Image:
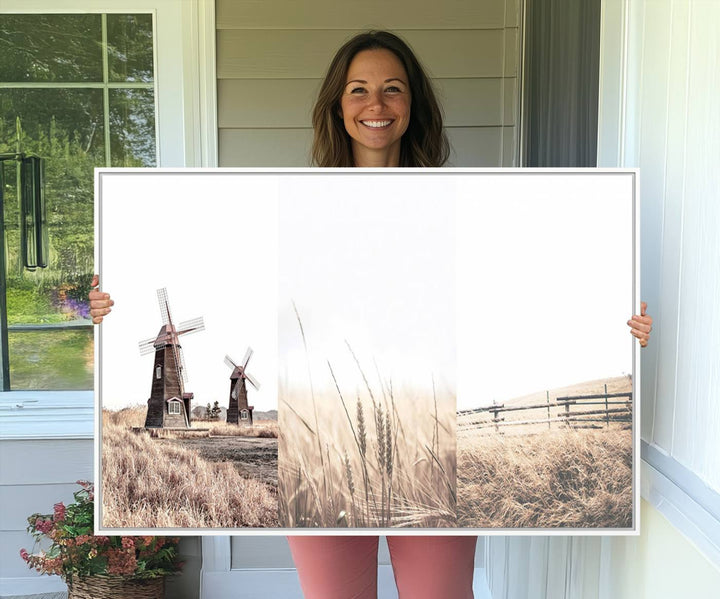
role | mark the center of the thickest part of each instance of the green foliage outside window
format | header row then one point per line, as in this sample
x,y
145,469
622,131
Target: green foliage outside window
x,y
78,91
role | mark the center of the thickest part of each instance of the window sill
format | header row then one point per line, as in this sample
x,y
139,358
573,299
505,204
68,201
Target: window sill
x,y
691,506
46,415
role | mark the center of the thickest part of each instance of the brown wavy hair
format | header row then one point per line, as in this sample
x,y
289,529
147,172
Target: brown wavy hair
x,y
423,144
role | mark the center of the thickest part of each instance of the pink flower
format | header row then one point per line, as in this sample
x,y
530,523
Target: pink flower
x,y
44,526
121,561
128,543
25,555
59,509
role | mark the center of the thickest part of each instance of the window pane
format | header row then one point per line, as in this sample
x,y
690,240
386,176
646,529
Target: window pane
x,y
130,47
65,127
53,121
51,359
50,48
132,127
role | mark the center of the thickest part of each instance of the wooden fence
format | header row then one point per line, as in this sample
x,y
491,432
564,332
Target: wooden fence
x,y
571,412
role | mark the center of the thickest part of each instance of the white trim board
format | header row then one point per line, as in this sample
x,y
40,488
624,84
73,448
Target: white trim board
x,y
46,415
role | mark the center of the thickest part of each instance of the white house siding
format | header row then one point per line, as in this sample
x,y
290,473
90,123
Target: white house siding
x,y
660,84
34,475
673,134
271,58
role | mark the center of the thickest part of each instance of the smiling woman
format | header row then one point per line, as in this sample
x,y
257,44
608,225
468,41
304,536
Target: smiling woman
x,y
377,108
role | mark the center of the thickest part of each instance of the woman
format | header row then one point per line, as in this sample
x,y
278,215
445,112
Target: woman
x,y
377,108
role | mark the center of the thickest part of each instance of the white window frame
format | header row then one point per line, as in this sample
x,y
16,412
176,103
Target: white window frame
x,y
174,407
184,32
186,126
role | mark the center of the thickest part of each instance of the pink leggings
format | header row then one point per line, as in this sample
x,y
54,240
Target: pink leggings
x,y
346,567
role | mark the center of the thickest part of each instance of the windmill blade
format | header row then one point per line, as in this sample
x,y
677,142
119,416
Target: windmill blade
x,y
246,359
253,381
183,368
191,326
229,362
146,346
164,306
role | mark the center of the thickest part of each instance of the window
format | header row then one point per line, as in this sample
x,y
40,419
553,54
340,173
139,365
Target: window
x,y
174,407
79,91
243,414
158,372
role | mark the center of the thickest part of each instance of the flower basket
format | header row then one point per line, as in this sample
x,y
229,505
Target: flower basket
x,y
116,587
98,567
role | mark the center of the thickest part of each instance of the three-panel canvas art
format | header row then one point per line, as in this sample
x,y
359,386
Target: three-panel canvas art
x,y
402,351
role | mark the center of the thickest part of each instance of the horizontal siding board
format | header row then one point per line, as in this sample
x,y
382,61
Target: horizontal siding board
x,y
278,103
253,54
471,102
350,14
264,147
475,146
19,501
11,564
266,103
512,13
470,146
37,461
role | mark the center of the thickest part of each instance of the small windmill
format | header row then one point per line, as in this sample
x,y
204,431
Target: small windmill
x,y
169,404
238,408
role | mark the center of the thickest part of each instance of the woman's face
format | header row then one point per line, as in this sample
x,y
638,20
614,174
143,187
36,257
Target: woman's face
x,y
375,107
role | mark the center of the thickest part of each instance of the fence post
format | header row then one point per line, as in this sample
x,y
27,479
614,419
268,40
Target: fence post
x,y
607,414
567,414
547,394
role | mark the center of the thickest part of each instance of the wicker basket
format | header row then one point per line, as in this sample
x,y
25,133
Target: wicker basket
x,y
116,587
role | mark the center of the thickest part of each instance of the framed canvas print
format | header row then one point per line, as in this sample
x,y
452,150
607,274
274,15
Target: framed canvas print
x,y
406,351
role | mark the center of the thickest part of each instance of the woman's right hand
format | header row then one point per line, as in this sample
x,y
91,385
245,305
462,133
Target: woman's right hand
x,y
100,302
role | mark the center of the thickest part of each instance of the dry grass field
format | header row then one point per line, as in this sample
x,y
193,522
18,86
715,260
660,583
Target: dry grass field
x,y
546,476
377,458
166,483
556,479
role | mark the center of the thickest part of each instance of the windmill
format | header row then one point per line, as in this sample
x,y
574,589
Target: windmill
x,y
238,408
169,404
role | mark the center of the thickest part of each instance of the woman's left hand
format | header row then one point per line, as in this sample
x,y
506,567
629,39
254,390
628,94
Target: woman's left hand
x,y
640,326
100,303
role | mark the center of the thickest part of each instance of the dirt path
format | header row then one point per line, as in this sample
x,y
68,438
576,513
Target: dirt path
x,y
253,457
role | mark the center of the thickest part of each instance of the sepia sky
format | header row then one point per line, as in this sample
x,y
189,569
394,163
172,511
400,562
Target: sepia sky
x,y
368,259
211,240
544,283
493,286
